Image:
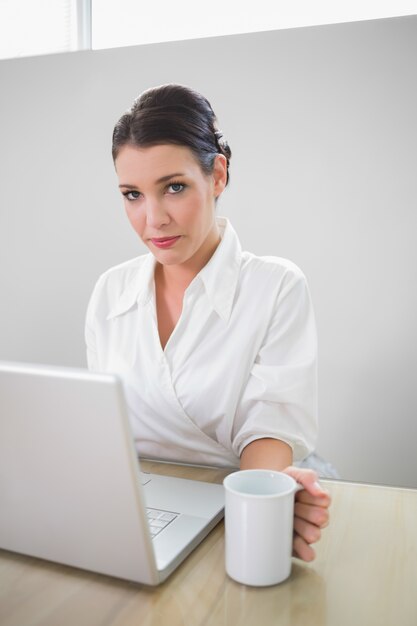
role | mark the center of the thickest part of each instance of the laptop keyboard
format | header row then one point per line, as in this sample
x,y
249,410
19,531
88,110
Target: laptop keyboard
x,y
158,520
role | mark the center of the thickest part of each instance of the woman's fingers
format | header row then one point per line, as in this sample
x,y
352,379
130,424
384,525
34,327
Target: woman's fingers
x,y
313,492
310,512
302,550
309,532
305,477
323,499
317,515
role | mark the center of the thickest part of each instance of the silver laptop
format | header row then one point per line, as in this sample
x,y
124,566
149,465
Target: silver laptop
x,y
71,490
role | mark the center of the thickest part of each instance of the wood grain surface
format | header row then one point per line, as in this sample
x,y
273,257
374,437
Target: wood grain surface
x,y
365,574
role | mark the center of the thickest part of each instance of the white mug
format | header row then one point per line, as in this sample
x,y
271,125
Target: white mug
x,y
259,512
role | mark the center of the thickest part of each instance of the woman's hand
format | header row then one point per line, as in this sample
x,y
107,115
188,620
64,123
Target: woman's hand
x,y
311,512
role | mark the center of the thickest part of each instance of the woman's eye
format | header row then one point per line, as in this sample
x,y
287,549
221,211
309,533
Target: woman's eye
x,y
176,187
131,195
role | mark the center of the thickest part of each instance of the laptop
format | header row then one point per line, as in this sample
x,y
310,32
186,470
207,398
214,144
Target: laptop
x,y
71,489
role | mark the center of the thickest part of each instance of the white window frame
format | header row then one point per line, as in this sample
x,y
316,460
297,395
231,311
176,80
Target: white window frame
x,y
84,24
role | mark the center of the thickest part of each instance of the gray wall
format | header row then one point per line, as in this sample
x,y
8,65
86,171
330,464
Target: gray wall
x,y
322,124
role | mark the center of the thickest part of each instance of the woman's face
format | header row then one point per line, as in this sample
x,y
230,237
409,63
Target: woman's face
x,y
170,202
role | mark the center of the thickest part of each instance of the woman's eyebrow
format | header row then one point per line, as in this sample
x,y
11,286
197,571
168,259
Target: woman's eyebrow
x,y
163,179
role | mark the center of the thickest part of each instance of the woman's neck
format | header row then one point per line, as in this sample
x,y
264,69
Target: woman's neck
x,y
178,277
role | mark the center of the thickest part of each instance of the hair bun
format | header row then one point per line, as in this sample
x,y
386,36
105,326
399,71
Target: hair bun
x,y
222,144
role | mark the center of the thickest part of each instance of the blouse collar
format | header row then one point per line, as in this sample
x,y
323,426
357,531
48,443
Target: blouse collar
x,y
219,276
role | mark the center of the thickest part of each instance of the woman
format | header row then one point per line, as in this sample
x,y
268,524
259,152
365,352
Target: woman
x,y
216,347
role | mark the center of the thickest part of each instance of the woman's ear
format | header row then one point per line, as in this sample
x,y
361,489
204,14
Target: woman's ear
x,y
219,174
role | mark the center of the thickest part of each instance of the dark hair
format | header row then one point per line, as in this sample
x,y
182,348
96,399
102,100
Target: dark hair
x,y
173,114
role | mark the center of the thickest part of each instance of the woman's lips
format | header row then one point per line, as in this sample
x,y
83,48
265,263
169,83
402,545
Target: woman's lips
x,y
165,242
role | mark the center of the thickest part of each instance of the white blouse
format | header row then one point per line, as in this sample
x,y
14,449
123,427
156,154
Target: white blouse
x,y
240,364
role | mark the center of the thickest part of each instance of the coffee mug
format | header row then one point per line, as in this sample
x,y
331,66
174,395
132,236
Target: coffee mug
x,y
259,513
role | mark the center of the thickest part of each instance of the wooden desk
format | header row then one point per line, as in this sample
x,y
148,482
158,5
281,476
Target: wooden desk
x,y
365,574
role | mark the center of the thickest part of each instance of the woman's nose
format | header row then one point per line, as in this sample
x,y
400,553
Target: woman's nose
x,y
155,215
